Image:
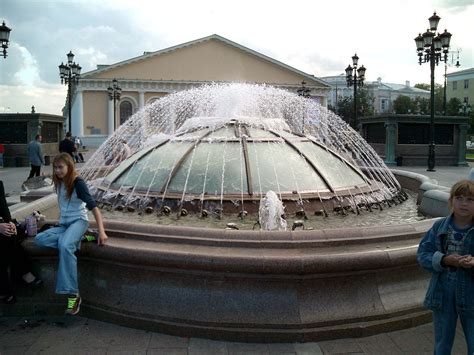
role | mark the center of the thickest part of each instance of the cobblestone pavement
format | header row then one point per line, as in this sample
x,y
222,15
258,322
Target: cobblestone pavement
x,y
79,335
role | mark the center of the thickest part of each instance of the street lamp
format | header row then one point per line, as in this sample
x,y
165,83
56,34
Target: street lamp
x,y
114,94
4,35
451,63
432,48
305,92
69,74
355,77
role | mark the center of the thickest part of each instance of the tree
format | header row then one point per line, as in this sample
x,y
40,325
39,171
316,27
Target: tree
x,y
423,105
423,86
345,106
439,97
403,105
453,106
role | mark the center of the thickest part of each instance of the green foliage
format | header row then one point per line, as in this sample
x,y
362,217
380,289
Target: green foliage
x,y
403,105
453,106
422,86
423,105
365,101
438,98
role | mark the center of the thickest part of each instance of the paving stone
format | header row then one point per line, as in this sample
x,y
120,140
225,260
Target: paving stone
x,y
412,340
247,348
199,346
164,341
168,351
112,337
307,349
340,346
378,344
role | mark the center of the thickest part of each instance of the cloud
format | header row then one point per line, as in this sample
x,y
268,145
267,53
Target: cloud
x,y
315,37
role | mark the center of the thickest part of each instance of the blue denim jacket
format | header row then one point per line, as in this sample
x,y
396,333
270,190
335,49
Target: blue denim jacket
x,y
430,252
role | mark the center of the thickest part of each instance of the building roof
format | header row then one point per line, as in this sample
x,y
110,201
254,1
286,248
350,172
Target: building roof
x,y
469,71
312,80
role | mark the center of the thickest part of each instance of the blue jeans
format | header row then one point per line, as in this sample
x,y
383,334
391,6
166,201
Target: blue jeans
x,y
67,239
445,321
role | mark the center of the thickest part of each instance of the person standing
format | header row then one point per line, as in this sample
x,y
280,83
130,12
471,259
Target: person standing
x,y
67,145
447,252
35,156
74,200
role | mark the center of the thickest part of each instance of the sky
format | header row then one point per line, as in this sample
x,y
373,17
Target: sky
x,y
317,37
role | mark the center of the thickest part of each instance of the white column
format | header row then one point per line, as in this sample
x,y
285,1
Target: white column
x,y
110,117
141,99
77,113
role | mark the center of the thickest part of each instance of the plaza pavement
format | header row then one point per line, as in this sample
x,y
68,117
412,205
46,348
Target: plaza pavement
x,y
78,335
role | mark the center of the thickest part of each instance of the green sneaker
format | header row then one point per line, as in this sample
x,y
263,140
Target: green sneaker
x,y
73,305
90,236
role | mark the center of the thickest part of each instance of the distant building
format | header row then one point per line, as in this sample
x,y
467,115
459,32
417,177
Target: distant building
x,y
152,75
460,84
384,94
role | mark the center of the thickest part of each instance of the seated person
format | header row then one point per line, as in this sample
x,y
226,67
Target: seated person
x,y
12,256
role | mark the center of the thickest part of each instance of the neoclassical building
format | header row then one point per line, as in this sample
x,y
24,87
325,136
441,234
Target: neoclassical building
x,y
152,75
384,94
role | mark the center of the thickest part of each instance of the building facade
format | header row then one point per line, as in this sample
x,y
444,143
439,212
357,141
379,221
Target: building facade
x,y
460,85
146,78
383,94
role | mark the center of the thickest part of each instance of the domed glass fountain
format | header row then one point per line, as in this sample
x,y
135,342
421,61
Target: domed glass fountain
x,y
220,149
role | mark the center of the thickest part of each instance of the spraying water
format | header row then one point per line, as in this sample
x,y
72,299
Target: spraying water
x,y
219,148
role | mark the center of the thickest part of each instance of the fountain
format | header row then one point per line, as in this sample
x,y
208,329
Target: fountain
x,y
252,153
220,149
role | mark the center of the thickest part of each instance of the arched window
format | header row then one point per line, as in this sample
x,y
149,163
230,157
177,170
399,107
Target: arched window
x,y
126,111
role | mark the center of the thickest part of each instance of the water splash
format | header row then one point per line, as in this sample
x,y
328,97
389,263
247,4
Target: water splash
x,y
271,212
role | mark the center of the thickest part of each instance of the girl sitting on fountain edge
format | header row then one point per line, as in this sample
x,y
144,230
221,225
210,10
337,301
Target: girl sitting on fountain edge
x,y
74,200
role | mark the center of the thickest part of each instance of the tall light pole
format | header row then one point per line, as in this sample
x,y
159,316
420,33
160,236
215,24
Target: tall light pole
x,y
69,74
355,77
4,36
451,63
432,48
114,94
305,92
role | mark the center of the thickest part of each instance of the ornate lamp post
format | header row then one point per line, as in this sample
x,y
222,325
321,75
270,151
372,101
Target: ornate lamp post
x,y
114,94
451,63
303,91
432,48
355,77
69,74
4,36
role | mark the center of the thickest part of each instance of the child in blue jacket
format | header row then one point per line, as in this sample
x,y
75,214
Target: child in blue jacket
x,y
74,200
447,252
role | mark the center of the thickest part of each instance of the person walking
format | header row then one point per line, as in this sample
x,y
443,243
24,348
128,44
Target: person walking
x,y
74,200
13,257
35,156
67,145
447,252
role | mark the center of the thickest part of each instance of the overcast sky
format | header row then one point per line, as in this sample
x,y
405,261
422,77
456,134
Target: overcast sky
x,y
317,37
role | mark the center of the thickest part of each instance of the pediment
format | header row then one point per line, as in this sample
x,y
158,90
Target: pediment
x,y
212,58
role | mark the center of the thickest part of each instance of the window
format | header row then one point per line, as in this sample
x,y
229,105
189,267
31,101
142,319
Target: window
x,y
455,85
382,106
466,84
125,111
